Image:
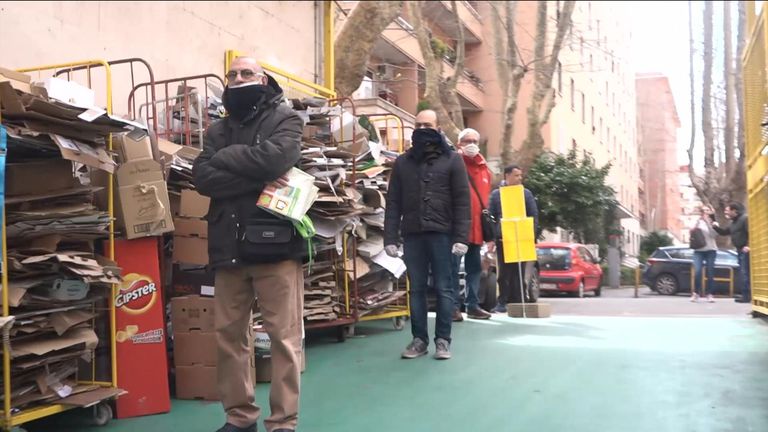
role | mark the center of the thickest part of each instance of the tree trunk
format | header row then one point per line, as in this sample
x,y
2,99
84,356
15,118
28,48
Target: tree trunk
x,y
436,86
730,90
696,181
514,73
448,92
706,101
738,179
355,41
545,69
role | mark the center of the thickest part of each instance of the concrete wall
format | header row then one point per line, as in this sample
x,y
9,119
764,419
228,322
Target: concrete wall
x,y
176,38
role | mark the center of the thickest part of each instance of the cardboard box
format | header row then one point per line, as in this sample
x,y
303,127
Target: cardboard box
x,y
190,250
192,282
18,80
263,355
190,227
192,313
132,146
194,348
193,205
27,179
144,208
196,382
532,310
199,382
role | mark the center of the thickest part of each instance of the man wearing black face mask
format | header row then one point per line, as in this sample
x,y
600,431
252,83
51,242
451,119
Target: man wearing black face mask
x,y
253,252
428,205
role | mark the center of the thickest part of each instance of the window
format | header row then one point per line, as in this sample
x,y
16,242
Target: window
x,y
573,144
581,48
598,32
593,119
589,14
573,96
591,64
613,66
601,129
583,109
559,78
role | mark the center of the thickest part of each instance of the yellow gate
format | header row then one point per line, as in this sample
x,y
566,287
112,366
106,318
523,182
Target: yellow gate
x,y
756,131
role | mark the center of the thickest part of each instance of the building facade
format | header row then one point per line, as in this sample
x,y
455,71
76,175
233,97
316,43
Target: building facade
x,y
657,145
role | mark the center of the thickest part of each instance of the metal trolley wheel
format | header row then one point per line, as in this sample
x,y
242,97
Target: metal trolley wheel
x,y
398,323
102,414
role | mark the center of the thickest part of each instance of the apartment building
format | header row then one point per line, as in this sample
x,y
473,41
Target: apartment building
x,y
594,86
596,104
657,145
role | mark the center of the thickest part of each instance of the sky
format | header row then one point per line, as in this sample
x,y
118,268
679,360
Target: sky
x,y
660,44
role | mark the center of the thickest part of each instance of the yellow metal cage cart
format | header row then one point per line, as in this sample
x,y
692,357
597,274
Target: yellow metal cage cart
x,y
756,131
13,416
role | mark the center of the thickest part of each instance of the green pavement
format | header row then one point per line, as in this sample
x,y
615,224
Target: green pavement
x,y
566,373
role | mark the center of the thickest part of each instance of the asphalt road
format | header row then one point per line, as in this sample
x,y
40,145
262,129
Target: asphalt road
x,y
621,302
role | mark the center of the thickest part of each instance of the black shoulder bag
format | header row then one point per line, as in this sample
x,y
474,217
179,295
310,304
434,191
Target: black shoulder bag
x,y
487,221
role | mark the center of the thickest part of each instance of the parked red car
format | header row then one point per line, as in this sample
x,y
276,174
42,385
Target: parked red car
x,y
568,267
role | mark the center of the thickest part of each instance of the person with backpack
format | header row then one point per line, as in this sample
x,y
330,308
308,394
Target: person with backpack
x,y
704,251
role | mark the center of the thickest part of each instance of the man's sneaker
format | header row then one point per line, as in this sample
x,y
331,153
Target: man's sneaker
x,y
457,316
710,299
416,348
478,313
500,308
694,298
229,427
442,349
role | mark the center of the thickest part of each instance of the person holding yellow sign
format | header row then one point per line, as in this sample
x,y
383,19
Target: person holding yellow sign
x,y
509,278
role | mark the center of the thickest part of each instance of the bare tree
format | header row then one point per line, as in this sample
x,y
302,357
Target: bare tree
x,y
355,41
723,180
440,91
512,67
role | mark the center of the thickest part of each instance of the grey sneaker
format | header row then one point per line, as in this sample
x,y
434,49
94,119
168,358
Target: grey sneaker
x,y
416,348
442,349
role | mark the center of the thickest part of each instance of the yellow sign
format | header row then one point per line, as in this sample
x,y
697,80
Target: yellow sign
x,y
517,230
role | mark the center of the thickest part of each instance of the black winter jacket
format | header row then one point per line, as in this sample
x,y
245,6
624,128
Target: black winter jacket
x,y
428,196
738,230
239,158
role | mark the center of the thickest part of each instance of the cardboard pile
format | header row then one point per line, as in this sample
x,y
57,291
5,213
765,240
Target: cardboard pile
x,y
352,174
58,281
194,348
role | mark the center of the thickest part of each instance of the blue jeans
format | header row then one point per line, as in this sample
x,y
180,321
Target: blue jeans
x,y
422,252
746,292
473,272
698,265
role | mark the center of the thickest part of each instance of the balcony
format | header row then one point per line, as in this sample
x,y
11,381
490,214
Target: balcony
x,y
441,13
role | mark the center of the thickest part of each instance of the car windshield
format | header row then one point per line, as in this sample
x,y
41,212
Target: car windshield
x,y
554,258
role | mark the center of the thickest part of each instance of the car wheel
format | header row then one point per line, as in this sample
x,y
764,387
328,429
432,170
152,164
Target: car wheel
x,y
533,287
665,284
580,293
599,289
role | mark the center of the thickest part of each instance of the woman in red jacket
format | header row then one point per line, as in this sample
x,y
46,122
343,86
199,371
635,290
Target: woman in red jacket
x,y
479,191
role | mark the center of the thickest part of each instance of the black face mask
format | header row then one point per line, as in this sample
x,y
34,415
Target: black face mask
x,y
425,136
241,101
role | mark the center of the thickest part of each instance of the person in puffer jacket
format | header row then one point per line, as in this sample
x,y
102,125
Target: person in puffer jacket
x,y
428,206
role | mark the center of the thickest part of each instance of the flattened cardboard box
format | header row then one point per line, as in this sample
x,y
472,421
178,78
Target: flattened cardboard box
x,y
26,178
193,205
190,227
144,207
192,313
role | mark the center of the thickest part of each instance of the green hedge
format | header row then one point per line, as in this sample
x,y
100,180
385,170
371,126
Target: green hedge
x,y
627,275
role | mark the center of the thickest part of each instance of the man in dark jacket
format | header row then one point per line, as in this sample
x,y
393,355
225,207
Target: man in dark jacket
x,y
739,232
428,205
509,273
257,143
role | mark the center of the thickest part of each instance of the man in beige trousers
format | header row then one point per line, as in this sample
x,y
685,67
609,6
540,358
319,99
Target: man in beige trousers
x,y
254,253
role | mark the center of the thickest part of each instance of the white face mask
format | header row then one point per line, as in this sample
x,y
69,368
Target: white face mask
x,y
471,150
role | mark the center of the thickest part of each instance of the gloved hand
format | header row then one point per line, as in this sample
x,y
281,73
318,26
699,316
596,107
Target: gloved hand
x,y
391,250
459,249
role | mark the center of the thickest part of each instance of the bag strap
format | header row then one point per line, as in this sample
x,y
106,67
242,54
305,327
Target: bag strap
x,y
472,183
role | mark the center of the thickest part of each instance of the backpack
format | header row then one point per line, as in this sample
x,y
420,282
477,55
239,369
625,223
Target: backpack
x,y
698,240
